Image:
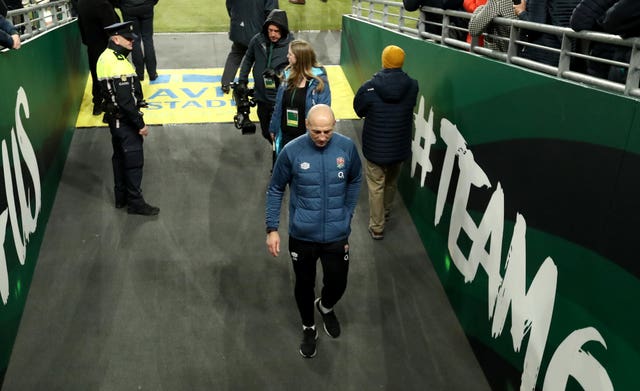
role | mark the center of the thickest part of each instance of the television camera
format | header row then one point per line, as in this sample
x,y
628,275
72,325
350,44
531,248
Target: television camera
x,y
243,97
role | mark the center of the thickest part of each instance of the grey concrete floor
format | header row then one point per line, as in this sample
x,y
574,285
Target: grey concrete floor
x,y
190,300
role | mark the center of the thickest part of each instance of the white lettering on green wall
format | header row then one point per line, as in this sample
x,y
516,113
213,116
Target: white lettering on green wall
x,y
24,223
532,309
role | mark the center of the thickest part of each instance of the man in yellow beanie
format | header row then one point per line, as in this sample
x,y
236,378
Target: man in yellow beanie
x,y
386,101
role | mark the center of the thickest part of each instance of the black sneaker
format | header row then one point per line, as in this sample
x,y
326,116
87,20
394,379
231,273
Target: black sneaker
x,y
121,204
144,209
308,345
97,109
225,88
331,324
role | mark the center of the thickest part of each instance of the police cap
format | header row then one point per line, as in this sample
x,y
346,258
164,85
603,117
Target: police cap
x,y
124,29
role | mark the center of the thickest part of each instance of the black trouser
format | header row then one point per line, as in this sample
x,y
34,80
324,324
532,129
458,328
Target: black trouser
x,y
334,258
127,160
265,109
143,26
233,62
93,52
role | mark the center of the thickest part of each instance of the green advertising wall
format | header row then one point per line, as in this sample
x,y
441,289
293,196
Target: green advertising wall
x,y
42,85
524,190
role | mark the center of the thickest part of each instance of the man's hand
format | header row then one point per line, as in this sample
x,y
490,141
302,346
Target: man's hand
x,y
273,243
241,88
144,131
520,8
16,41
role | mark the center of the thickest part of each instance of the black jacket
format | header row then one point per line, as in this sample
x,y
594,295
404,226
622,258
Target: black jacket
x,y
623,18
246,18
591,15
387,101
93,17
553,12
136,7
412,5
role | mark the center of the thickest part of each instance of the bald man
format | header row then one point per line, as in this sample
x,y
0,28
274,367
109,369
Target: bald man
x,y
324,173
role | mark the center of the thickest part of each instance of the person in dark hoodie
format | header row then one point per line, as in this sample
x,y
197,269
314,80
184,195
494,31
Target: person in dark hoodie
x,y
386,101
246,18
267,56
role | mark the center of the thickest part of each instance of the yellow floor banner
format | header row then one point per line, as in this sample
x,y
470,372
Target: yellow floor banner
x,y
190,96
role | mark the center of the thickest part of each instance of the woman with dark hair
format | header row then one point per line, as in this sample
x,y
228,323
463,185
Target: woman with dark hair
x,y
305,84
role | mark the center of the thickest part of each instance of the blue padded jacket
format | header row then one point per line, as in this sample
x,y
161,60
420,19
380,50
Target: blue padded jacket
x,y
324,185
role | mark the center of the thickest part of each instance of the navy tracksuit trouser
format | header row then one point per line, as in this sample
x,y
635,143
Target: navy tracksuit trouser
x,y
334,258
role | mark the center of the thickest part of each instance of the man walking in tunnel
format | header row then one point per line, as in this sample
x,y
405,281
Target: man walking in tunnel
x,y
323,172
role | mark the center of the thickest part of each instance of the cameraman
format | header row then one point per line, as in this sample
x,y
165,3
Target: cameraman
x,y
267,55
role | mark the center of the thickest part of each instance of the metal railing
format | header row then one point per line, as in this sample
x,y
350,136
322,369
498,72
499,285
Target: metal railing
x,y
39,17
392,15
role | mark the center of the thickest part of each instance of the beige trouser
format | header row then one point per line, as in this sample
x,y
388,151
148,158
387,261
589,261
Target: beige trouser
x,y
382,182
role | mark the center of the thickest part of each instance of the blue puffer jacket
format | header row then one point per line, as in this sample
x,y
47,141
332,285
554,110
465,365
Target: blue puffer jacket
x,y
324,186
386,101
313,98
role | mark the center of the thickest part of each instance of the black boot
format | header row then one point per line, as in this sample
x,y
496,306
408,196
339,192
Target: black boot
x,y
143,209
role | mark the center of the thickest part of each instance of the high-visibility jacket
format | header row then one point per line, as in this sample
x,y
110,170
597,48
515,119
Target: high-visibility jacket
x,y
120,88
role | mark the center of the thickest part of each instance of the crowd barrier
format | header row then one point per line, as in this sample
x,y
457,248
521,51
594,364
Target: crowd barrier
x,y
38,17
523,189
392,15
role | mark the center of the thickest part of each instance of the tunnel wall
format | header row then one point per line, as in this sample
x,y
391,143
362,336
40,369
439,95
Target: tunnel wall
x,y
523,188
42,85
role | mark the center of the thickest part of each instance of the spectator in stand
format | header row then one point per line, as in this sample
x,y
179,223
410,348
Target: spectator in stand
x,y
12,5
93,17
620,17
413,5
305,85
470,6
267,56
386,102
9,37
246,18
623,18
481,22
140,12
587,16
554,12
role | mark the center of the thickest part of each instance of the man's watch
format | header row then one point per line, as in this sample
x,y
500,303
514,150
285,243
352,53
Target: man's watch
x,y
270,229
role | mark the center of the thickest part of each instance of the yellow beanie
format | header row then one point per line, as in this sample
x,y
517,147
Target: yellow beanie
x,y
392,57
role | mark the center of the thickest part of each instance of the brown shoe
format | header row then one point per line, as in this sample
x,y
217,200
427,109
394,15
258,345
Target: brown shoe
x,y
297,2
376,235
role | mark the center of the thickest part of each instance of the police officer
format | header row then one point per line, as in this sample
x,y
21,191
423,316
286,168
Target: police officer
x,y
123,95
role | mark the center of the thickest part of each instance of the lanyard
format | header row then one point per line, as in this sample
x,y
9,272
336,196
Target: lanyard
x,y
269,57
